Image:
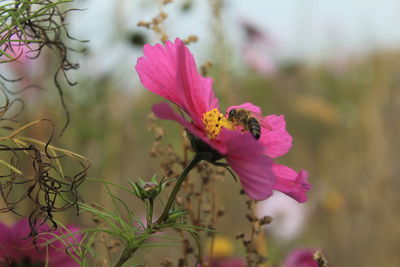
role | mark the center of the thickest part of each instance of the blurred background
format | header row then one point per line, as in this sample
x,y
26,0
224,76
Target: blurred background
x,y
331,67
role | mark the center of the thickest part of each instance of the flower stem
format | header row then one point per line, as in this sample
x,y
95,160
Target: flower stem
x,y
150,214
125,256
129,251
172,196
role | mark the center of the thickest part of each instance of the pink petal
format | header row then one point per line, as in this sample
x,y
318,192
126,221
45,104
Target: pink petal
x,y
15,244
292,183
171,72
57,253
164,111
254,169
4,239
18,50
26,248
156,71
274,137
247,106
301,257
259,61
196,89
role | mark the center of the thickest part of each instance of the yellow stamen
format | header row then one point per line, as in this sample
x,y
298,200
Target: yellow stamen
x,y
214,121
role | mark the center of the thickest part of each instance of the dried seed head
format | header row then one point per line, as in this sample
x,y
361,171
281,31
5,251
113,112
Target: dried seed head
x,y
163,16
144,24
179,201
182,262
164,37
265,220
240,236
251,218
260,259
205,69
320,259
220,212
166,2
191,39
250,246
167,263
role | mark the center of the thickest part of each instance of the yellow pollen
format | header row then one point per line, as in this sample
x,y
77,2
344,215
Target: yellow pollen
x,y
214,121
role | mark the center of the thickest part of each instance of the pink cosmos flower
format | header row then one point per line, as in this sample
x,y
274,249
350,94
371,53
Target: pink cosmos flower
x,y
258,49
170,71
18,50
289,216
20,62
300,257
18,249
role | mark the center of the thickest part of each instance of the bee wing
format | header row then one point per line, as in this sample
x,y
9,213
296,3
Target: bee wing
x,y
246,106
264,123
258,116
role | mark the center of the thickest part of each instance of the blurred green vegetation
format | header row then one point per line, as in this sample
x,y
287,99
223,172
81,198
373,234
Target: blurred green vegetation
x,y
346,134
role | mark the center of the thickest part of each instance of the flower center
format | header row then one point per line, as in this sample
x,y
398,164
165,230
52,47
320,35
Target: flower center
x,y
214,121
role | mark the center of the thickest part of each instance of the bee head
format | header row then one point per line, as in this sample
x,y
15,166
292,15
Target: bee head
x,y
232,113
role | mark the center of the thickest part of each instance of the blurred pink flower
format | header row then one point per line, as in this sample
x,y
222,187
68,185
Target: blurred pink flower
x,y
300,257
20,62
289,217
261,62
257,49
17,248
171,72
18,50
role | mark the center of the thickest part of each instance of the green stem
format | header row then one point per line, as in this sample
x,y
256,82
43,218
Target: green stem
x,y
129,251
150,214
126,255
171,199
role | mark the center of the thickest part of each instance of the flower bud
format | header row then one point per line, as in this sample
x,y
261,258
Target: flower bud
x,y
148,190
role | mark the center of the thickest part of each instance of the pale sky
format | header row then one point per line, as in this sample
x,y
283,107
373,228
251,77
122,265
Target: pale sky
x,y
303,29
306,27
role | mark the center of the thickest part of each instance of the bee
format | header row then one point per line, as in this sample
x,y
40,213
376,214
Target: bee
x,y
245,119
